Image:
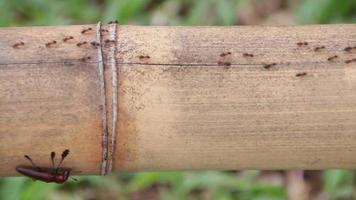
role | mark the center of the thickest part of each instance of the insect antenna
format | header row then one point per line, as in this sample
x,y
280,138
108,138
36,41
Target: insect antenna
x,y
64,154
53,155
28,158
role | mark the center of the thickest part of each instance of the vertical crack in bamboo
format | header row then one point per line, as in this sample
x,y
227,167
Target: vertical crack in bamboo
x,y
103,103
112,63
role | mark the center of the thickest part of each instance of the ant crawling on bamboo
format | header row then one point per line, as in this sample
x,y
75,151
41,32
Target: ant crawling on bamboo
x,y
17,45
86,30
301,74
319,48
247,55
84,59
49,44
82,43
48,175
331,58
225,54
95,44
68,38
267,66
302,44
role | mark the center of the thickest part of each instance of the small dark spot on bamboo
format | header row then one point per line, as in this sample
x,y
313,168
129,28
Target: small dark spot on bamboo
x,y
113,22
95,44
49,44
350,61
85,59
68,38
302,44
86,30
319,48
17,45
267,66
225,54
82,43
224,63
332,58
301,74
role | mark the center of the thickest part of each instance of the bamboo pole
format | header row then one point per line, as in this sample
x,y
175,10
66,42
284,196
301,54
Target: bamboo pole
x,y
172,98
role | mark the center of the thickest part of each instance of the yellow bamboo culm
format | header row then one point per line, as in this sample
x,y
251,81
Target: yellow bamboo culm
x,y
139,98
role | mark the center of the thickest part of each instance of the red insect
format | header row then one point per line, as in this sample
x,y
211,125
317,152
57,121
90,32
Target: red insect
x,y
56,175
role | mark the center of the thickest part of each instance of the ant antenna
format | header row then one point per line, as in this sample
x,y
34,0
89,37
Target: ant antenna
x,y
64,154
53,155
28,158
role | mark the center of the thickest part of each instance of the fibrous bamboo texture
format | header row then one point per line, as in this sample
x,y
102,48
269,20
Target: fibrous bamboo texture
x,y
188,97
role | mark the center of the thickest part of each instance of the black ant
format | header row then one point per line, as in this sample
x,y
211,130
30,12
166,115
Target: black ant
x,y
301,74
81,43
18,44
332,58
247,55
86,30
319,48
49,44
267,66
68,38
225,54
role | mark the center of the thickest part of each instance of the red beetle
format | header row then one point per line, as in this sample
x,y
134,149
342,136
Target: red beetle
x,y
56,175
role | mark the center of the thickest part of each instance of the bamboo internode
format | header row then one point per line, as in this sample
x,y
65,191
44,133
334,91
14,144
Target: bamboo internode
x,y
176,98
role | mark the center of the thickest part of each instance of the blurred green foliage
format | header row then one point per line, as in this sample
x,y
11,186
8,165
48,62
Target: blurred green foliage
x,y
327,11
337,184
170,12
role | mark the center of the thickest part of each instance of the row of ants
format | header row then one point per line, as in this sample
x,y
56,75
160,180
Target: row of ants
x,y
247,55
79,44
300,44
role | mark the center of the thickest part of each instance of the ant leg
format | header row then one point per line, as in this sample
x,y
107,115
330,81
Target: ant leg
x,y
64,154
28,158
